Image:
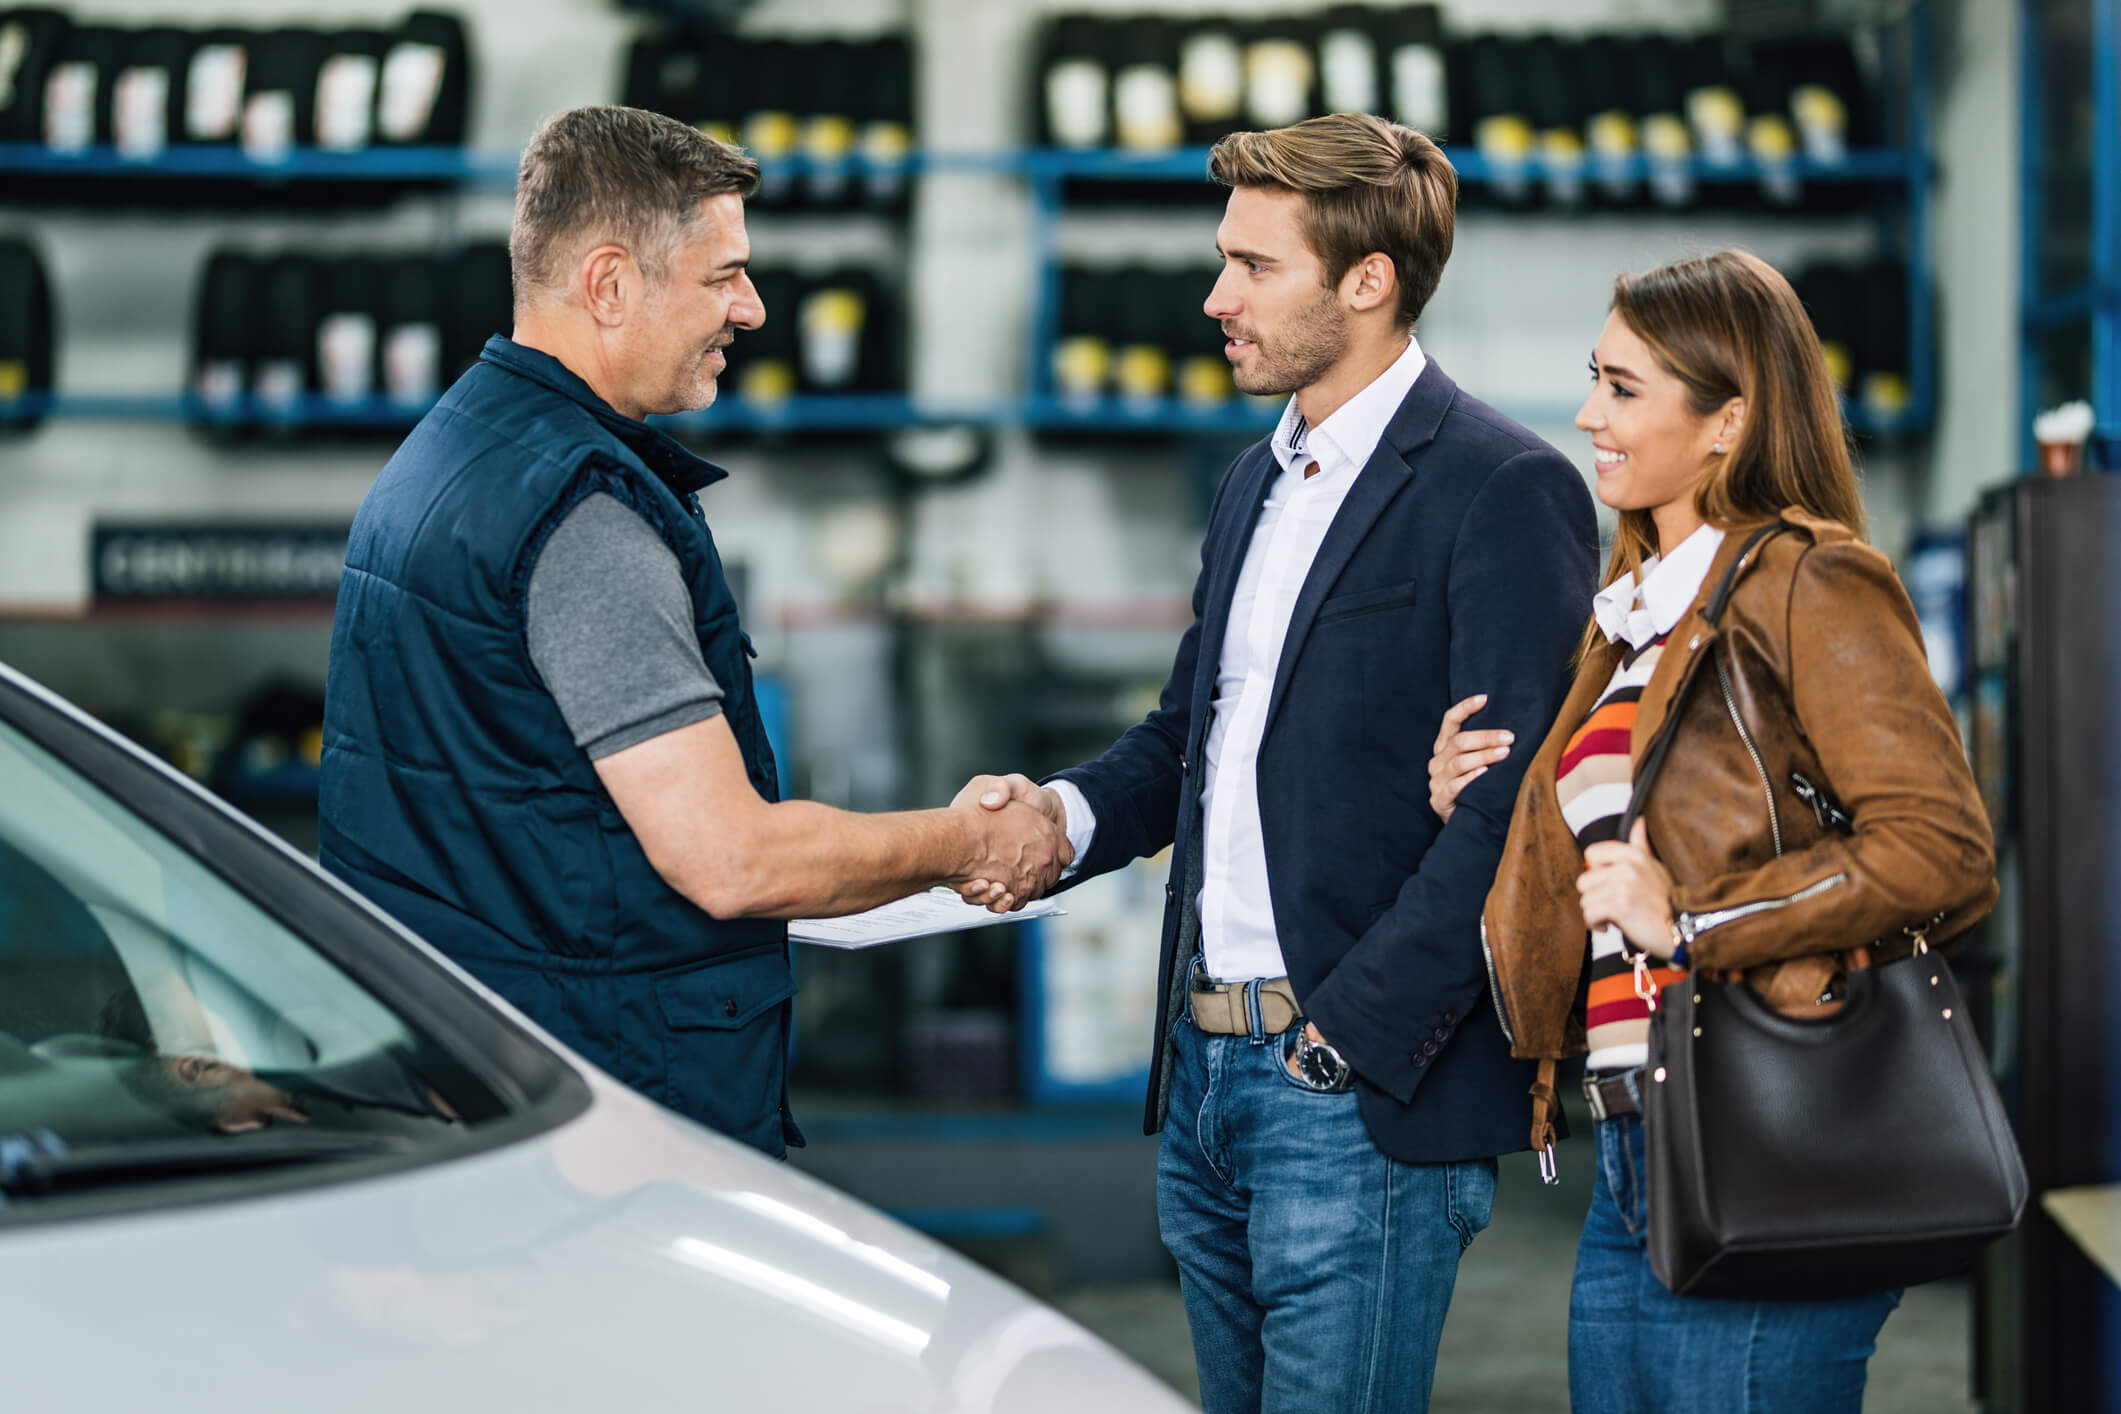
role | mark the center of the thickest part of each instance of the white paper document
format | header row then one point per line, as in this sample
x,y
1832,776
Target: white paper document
x,y
937,911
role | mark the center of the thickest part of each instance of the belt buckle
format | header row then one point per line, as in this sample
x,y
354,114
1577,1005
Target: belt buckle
x,y
1595,1098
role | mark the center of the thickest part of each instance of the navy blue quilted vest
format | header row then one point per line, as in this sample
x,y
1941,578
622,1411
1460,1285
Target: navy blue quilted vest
x,y
454,795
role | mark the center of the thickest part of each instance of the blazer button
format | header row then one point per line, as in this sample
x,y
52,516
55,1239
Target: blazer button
x,y
1449,1017
1428,1048
1184,766
730,1008
1170,895
1443,1033
1420,1061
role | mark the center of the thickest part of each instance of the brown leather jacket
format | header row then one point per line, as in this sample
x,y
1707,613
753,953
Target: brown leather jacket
x,y
1817,671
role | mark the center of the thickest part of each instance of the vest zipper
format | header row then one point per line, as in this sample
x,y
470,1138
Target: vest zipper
x,y
1693,925
1774,816
1502,1015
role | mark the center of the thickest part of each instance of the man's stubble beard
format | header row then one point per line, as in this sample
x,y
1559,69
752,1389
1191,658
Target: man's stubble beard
x,y
1312,343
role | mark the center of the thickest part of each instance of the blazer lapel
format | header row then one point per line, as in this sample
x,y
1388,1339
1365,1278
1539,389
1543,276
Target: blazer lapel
x,y
1388,472
1227,557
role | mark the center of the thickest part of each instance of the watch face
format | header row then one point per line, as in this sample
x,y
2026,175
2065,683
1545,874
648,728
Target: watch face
x,y
1322,1066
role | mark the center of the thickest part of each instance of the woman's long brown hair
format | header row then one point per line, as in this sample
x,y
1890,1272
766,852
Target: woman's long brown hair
x,y
1729,326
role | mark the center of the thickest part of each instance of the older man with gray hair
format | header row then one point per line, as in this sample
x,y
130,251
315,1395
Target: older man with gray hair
x,y
542,751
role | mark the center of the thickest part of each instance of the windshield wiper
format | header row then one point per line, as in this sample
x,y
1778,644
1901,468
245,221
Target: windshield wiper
x,y
40,1162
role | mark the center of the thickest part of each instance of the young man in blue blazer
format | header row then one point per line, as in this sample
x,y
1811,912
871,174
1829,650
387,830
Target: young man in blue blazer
x,y
1332,1080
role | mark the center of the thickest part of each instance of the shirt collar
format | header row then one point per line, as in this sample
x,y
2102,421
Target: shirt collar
x,y
1646,611
683,472
1348,438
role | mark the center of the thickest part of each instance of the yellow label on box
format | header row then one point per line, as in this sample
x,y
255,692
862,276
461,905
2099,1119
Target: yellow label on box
x,y
1144,371
1081,364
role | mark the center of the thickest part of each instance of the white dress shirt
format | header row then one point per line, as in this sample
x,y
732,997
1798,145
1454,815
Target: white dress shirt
x,y
1238,934
1642,612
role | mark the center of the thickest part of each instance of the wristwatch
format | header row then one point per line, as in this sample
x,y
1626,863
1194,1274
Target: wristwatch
x,y
1321,1066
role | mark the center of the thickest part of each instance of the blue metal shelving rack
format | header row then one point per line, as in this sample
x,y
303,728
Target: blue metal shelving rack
x,y
2095,303
1902,174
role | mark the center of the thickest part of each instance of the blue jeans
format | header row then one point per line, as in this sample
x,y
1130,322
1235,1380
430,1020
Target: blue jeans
x,y
1635,1348
1315,1270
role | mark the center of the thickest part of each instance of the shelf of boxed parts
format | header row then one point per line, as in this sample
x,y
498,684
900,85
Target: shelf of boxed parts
x,y
1897,178
2070,217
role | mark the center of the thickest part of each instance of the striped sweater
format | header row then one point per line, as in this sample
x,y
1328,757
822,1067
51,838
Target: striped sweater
x,y
1593,781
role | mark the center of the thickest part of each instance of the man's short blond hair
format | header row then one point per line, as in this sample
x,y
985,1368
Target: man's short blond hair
x,y
1368,186
619,176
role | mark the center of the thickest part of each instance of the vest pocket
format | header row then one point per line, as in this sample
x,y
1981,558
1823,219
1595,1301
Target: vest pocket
x,y
726,1046
726,994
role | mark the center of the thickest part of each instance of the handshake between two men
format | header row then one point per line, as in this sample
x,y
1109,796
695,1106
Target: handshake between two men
x,y
1027,874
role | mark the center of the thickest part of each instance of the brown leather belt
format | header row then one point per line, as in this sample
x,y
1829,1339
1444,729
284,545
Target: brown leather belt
x,y
1612,1094
1224,1008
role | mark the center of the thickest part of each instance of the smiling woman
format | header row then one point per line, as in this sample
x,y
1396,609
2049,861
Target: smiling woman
x,y
1711,402
1751,646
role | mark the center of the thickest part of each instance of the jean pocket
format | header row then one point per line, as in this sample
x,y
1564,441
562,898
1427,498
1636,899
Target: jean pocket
x,y
1284,1052
1621,1152
1470,1197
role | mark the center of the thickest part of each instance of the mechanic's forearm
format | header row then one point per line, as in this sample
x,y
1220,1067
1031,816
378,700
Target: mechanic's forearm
x,y
799,859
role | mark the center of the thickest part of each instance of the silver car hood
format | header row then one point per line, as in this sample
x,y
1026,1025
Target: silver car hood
x,y
628,1260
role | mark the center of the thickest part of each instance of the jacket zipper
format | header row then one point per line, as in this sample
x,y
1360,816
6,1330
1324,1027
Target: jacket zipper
x,y
1774,816
1502,1015
1693,925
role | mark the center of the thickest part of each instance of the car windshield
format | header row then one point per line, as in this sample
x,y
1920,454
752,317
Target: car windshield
x,y
147,1007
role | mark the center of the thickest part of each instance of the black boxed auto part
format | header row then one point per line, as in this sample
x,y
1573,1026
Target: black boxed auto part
x,y
1145,109
77,88
284,372
147,97
350,294
836,83
771,127
30,41
409,331
213,86
1351,61
223,323
846,334
1143,360
1077,55
280,93
1211,79
1416,70
762,361
886,137
423,96
1281,71
479,302
349,87
26,335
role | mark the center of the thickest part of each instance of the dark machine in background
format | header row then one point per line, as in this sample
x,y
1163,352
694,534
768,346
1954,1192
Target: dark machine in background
x,y
2045,591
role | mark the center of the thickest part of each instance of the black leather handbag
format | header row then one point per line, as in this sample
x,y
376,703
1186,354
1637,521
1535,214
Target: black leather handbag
x,y
1819,1157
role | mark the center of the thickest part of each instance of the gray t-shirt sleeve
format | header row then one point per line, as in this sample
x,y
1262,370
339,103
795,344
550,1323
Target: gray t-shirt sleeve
x,y
610,626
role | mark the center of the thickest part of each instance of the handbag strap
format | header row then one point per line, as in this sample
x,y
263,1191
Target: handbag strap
x,y
1712,614
1544,1103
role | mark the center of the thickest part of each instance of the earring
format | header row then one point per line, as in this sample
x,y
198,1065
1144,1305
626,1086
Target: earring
x,y
1718,449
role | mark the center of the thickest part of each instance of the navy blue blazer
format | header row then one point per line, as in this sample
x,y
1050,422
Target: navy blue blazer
x,y
1463,561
